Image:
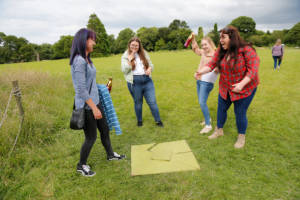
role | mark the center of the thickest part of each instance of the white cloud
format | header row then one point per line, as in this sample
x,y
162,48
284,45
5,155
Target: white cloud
x,y
45,21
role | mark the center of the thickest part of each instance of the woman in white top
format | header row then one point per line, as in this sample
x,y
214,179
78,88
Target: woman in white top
x,y
137,68
205,83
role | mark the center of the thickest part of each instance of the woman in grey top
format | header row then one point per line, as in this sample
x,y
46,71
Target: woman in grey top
x,y
86,95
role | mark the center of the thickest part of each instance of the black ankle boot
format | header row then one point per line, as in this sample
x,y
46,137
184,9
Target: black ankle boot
x,y
159,123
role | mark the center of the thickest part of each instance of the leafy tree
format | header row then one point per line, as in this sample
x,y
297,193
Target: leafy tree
x,y
148,37
3,55
163,33
267,39
216,35
111,40
245,25
178,33
258,32
11,46
61,49
171,46
121,42
160,45
177,24
178,37
2,35
199,35
293,36
26,53
256,40
45,51
102,47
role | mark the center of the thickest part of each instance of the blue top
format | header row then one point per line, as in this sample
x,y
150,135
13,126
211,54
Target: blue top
x,y
109,110
82,76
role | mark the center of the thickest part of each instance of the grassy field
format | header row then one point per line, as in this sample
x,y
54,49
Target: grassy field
x,y
44,161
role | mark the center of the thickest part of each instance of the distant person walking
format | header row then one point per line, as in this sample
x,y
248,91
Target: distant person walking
x,y
277,53
238,65
205,82
83,74
137,68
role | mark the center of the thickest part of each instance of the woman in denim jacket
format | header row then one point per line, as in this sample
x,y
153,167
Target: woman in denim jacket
x,y
137,68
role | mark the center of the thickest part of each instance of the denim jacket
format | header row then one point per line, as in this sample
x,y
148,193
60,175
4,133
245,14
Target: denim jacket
x,y
127,69
83,75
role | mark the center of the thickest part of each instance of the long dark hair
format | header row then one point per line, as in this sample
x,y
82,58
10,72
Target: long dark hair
x,y
79,44
235,43
141,53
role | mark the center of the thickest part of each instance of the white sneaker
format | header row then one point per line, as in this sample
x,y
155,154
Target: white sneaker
x,y
206,129
203,123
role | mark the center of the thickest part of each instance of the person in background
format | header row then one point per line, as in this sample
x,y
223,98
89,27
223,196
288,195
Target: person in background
x,y
83,74
205,82
137,68
238,65
277,53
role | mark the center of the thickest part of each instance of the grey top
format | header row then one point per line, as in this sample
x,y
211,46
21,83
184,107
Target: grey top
x,y
277,50
82,76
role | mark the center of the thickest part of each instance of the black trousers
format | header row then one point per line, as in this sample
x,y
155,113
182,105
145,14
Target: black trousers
x,y
90,132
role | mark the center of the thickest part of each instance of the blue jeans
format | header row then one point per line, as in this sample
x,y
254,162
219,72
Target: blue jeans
x,y
275,61
240,109
203,90
143,87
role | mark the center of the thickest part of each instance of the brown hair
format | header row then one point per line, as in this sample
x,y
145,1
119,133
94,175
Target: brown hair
x,y
141,53
235,43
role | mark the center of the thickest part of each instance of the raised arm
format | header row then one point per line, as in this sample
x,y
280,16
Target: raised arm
x,y
195,47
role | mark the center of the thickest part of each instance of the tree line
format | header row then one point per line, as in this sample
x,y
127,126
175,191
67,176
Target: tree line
x,y
18,49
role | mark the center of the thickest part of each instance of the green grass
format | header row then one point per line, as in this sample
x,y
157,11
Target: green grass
x,y
43,163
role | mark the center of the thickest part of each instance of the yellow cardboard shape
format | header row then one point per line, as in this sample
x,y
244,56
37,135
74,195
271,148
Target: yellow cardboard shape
x,y
162,158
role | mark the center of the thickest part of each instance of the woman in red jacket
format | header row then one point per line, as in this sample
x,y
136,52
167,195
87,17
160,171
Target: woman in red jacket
x,y
238,65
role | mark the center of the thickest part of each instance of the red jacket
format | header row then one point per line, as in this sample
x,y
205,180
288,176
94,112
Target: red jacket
x,y
246,65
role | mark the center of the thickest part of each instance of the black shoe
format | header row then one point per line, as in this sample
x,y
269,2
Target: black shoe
x,y
115,157
85,170
159,123
139,123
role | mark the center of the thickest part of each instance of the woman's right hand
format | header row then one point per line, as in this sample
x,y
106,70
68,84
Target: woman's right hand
x,y
97,113
193,35
131,56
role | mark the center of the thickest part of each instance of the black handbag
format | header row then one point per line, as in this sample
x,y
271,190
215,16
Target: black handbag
x,y
78,116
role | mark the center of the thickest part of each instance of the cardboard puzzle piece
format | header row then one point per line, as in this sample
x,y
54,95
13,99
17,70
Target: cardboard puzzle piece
x,y
162,158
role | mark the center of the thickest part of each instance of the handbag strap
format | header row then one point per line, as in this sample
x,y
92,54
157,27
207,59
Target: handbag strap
x,y
89,89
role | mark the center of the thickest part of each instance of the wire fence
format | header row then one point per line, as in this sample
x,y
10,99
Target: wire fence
x,y
15,91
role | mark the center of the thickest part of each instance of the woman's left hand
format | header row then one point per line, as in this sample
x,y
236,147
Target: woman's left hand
x,y
148,71
237,87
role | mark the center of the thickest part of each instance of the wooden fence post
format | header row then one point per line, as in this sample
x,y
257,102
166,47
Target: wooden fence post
x,y
17,94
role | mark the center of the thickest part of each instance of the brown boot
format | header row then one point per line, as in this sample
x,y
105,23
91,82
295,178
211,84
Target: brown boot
x,y
240,141
217,133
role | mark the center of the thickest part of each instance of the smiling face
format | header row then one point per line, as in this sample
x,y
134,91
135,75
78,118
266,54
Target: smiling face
x,y
134,46
224,40
89,45
205,45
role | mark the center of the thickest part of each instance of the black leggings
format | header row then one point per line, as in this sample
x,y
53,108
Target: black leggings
x,y
90,132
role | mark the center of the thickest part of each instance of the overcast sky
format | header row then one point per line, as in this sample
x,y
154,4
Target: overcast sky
x,y
44,21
